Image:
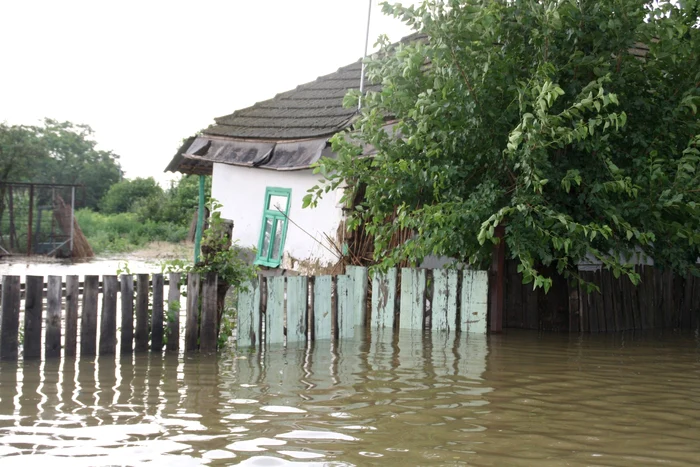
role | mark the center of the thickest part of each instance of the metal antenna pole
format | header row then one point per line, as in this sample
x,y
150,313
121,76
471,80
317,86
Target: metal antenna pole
x,y
362,75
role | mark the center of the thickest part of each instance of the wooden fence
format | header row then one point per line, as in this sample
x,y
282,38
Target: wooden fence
x,y
275,310
662,300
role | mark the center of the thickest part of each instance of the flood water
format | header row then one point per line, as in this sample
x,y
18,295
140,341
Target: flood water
x,y
515,399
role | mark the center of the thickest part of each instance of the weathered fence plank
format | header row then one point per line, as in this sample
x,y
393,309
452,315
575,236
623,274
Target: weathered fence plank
x,y
192,316
322,307
274,315
88,317
141,331
412,298
207,332
444,304
157,314
345,298
248,313
384,299
9,318
474,301
53,318
598,301
173,313
71,339
297,302
126,342
33,317
108,321
359,275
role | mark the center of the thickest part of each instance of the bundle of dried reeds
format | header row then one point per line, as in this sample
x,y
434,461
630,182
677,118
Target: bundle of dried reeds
x,y
62,214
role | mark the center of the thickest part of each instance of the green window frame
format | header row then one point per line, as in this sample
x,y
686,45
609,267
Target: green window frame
x,y
273,231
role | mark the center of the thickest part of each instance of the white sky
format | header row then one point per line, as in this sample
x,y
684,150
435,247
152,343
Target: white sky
x,y
145,74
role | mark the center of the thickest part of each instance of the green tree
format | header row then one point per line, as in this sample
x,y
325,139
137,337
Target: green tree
x,y
573,124
124,196
21,152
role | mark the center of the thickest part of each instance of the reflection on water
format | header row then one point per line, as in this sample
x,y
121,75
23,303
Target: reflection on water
x,y
515,399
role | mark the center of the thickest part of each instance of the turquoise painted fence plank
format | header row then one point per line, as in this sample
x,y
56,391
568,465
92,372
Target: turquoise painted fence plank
x,y
274,315
248,313
383,299
345,293
359,275
297,301
475,287
322,307
444,304
412,298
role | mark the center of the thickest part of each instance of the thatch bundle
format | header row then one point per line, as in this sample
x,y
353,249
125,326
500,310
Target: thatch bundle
x,y
62,214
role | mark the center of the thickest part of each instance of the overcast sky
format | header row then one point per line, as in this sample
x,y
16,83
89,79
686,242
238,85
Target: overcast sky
x,y
145,74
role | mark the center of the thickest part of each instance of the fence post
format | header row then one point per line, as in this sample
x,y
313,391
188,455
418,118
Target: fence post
x,y
88,319
33,311
141,333
9,318
191,329
173,313
108,322
127,306
72,295
207,333
53,317
157,314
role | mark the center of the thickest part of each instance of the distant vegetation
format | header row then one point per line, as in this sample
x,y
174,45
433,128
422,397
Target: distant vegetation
x,y
115,214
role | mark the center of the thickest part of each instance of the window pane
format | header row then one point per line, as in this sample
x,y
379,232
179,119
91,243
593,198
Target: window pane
x,y
278,203
276,253
265,248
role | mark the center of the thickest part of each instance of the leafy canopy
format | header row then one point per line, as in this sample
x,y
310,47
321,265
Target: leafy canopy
x,y
550,118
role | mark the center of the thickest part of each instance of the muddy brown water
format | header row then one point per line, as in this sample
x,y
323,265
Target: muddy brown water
x,y
517,399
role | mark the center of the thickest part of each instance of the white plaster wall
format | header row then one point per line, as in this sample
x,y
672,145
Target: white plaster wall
x,y
241,191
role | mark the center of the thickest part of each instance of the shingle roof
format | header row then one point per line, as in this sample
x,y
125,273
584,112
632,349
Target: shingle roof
x,y
311,110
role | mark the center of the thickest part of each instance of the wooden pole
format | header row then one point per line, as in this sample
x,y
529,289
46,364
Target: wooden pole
x,y
108,323
53,317
72,287
173,314
207,333
9,318
141,333
127,291
191,328
157,314
88,319
33,314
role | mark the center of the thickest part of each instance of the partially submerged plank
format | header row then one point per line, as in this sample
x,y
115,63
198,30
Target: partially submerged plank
x,y
33,316
88,317
127,306
322,307
297,301
53,317
192,316
141,332
9,319
274,315
412,298
108,321
173,313
384,299
208,331
248,313
72,297
345,293
444,303
359,275
474,301
157,314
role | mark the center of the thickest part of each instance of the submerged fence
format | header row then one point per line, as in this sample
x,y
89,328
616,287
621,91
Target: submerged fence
x,y
277,310
135,315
